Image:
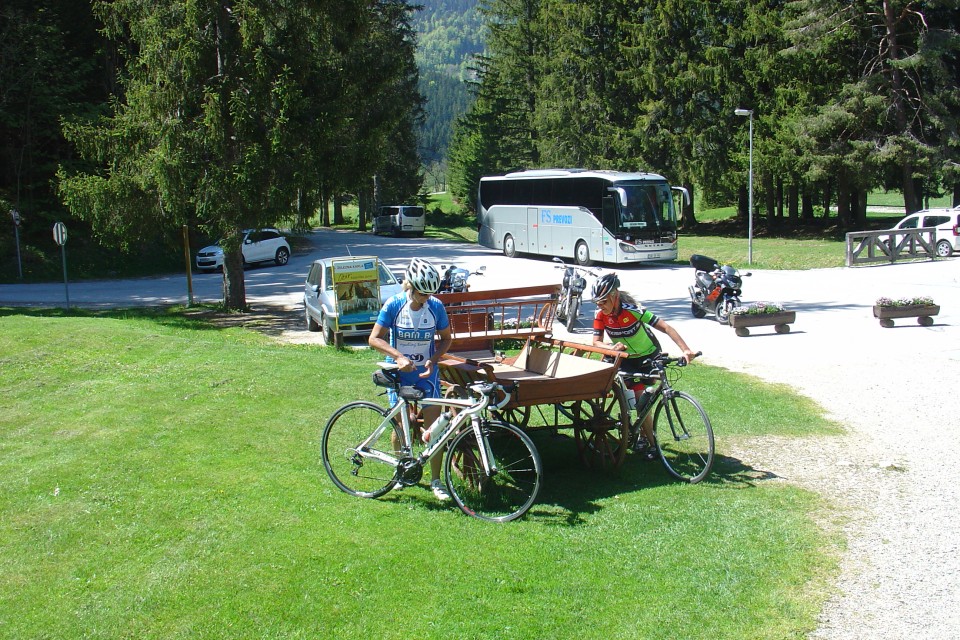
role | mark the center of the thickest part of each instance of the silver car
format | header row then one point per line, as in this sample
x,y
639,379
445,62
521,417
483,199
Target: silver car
x,y
320,304
259,245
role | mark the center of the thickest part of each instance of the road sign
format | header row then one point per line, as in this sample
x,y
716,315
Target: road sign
x,y
60,233
16,216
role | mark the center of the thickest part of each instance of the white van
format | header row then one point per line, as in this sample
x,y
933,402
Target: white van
x,y
400,219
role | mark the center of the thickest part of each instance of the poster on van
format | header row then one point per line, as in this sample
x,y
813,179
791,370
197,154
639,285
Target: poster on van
x,y
356,284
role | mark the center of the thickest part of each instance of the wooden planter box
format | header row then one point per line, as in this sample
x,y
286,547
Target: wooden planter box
x,y
922,312
780,320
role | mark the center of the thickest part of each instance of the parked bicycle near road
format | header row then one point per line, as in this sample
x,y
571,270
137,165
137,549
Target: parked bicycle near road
x,y
492,469
681,427
571,292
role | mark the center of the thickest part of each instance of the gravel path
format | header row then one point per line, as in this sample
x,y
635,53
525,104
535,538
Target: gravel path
x,y
895,475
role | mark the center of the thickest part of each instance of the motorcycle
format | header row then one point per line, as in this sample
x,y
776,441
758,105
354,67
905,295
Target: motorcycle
x,y
571,292
716,289
454,278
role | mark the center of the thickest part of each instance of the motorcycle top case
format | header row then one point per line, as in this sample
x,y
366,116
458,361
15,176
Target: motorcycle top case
x,y
703,263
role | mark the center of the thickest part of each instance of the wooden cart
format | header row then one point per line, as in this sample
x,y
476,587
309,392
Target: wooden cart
x,y
560,384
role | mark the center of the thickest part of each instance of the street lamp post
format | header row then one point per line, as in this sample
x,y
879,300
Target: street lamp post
x,y
749,113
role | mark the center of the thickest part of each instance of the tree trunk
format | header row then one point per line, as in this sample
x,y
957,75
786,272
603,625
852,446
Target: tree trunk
x,y
827,194
843,202
793,196
234,292
780,199
806,204
859,208
956,195
364,200
688,218
743,203
338,209
770,199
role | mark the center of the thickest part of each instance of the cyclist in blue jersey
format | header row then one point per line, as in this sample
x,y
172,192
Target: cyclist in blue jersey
x,y
405,332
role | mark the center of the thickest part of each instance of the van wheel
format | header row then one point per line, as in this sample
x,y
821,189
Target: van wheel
x,y
396,232
582,254
509,248
944,249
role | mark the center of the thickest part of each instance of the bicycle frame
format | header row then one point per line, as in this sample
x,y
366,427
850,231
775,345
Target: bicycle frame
x,y
469,410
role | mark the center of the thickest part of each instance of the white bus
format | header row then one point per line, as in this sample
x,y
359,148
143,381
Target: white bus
x,y
602,216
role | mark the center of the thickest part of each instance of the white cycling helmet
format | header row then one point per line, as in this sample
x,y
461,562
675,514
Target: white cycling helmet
x,y
422,276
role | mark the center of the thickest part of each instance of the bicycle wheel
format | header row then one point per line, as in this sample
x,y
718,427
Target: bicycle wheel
x,y
684,437
513,487
356,474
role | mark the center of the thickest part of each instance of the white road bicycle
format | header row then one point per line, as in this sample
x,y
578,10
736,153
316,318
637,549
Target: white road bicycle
x,y
492,469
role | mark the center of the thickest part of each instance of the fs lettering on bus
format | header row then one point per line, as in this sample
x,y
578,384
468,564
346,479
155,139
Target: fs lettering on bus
x,y
546,217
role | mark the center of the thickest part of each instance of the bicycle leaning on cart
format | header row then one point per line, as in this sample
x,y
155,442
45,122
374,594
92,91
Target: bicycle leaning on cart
x,y
491,469
681,427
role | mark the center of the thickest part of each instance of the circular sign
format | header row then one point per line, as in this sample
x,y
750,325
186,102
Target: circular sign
x,y
60,233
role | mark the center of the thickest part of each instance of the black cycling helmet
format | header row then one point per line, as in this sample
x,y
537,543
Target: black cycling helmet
x,y
605,285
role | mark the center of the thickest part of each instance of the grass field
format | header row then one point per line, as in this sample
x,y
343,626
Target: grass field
x,y
160,479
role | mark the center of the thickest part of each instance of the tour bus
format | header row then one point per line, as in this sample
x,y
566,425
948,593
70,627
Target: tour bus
x,y
603,216
400,219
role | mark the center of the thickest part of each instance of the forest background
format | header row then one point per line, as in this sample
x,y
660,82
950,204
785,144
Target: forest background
x,y
130,120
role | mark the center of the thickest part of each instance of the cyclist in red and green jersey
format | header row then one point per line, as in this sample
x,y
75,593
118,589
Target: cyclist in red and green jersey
x,y
628,325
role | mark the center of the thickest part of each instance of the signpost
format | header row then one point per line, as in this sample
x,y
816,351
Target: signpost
x,y
60,237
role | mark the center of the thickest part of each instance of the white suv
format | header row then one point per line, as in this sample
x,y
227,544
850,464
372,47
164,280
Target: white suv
x,y
947,223
259,245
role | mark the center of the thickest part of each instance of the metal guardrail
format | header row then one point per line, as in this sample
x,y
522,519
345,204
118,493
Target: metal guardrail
x,y
866,247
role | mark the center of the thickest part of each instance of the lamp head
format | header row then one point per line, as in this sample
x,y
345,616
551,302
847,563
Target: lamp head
x,y
743,112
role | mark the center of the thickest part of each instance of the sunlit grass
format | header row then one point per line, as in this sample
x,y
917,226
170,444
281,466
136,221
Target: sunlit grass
x,y
161,479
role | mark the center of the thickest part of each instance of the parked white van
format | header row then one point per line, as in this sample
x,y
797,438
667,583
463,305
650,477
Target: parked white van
x,y
400,219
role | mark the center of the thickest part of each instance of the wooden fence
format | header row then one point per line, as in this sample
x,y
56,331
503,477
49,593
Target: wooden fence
x,y
865,247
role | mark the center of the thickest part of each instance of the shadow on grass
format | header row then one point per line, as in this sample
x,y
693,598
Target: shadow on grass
x,y
196,318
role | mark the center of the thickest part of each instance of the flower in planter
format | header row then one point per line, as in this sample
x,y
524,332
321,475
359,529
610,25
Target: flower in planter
x,y
757,308
904,302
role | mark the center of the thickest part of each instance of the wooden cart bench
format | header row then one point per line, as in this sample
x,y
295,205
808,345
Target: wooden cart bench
x,y
478,318
572,381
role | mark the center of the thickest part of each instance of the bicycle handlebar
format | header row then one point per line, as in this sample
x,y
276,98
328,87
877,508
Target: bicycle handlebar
x,y
490,388
660,361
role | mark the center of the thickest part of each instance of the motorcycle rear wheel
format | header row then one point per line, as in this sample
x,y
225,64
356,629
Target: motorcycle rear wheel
x,y
697,311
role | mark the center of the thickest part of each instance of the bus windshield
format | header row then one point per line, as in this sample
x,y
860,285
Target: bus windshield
x,y
644,208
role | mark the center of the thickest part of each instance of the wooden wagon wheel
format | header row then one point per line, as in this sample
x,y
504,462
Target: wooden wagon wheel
x,y
601,429
517,416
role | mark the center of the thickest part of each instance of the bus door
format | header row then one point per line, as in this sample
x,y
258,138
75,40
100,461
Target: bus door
x,y
610,224
533,230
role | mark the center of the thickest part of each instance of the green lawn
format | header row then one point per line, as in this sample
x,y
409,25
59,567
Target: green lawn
x,y
160,479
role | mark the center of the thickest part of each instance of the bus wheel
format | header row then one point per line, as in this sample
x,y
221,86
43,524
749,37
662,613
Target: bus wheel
x,y
582,254
509,248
